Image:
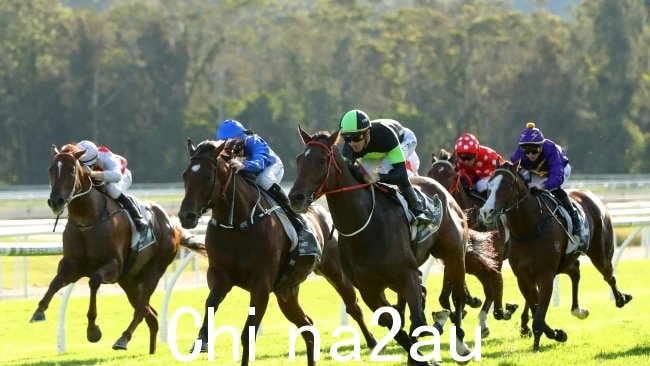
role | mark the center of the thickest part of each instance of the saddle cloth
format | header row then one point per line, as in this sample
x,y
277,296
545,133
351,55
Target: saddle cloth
x,y
433,211
140,242
306,243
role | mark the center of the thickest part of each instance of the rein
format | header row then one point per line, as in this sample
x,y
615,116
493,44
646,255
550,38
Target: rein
x,y
73,195
519,200
319,192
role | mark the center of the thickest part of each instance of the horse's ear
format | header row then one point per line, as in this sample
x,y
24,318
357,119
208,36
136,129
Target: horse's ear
x,y
434,158
55,150
79,154
190,146
333,137
306,138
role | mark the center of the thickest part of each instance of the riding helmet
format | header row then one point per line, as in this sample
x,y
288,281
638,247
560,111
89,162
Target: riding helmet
x,y
531,135
229,129
354,121
90,156
467,144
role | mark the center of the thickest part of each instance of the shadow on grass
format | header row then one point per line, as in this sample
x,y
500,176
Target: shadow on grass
x,y
638,350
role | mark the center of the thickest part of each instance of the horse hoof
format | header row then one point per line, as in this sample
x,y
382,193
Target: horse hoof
x,y
474,302
525,333
120,344
580,313
511,308
624,299
38,316
560,336
94,335
485,332
204,346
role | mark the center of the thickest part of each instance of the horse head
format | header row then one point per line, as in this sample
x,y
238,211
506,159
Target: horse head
x,y
506,190
317,169
66,177
442,169
201,180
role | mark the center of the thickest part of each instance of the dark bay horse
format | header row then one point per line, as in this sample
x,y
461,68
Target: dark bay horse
x,y
97,244
442,170
538,242
374,240
247,246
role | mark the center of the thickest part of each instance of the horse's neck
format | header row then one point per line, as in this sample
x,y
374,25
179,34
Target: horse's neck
x,y
88,208
245,198
525,215
348,205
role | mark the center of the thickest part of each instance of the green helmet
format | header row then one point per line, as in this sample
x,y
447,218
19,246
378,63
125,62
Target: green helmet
x,y
354,121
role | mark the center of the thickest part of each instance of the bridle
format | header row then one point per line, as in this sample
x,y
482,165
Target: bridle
x,y
513,186
455,182
331,161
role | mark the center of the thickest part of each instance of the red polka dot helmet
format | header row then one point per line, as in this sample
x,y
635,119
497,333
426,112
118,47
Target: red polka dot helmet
x,y
467,144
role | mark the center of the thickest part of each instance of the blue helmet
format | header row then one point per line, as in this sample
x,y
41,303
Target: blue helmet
x,y
229,129
531,135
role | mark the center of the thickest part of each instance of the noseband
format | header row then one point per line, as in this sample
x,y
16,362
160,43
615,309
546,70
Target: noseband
x,y
518,200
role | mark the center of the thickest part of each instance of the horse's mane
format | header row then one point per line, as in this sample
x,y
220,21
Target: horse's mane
x,y
321,135
208,147
70,148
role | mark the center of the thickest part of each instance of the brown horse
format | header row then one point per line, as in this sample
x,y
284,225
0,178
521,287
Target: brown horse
x,y
248,247
477,263
539,239
374,234
97,244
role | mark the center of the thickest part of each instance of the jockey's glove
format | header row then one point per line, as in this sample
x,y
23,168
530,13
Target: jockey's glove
x,y
236,165
93,174
536,185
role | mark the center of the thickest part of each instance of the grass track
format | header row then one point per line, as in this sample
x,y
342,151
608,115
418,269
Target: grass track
x,y
610,336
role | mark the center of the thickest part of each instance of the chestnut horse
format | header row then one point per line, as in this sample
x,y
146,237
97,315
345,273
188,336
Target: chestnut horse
x,y
539,238
97,244
442,170
247,246
374,239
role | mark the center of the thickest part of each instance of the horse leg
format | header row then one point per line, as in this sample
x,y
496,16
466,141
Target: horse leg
x,y
139,294
107,273
375,300
455,272
259,301
604,266
573,272
545,286
530,297
288,303
349,296
221,285
65,275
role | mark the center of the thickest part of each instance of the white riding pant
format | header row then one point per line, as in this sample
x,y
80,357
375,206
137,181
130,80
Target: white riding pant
x,y
270,175
408,145
482,184
115,189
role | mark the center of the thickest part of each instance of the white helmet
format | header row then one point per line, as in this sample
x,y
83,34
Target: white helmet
x,y
90,157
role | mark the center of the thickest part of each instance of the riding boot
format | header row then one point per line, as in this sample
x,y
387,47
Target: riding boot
x,y
129,205
415,205
278,194
573,212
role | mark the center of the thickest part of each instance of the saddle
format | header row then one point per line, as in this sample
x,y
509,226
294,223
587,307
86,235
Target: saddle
x,y
577,243
433,209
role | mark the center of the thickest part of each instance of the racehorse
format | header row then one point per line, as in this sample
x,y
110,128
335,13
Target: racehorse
x,y
97,243
248,247
375,245
539,238
476,263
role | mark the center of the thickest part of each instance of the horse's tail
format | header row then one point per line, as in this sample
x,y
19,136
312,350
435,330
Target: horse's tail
x,y
482,243
188,240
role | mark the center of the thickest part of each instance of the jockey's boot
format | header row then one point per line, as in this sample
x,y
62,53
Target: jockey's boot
x,y
278,193
129,205
416,206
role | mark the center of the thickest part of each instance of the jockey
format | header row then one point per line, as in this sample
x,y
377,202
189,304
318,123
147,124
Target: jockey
x,y
260,161
382,146
548,161
103,165
476,162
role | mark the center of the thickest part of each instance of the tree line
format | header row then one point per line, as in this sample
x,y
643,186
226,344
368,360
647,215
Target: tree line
x,y
141,76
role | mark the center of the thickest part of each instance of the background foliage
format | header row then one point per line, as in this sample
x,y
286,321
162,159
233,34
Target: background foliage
x,y
139,76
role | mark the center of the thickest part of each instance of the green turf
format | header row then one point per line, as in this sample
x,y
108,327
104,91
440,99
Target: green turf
x,y
610,336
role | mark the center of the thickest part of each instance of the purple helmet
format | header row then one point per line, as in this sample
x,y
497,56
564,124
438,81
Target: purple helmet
x,y
531,135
